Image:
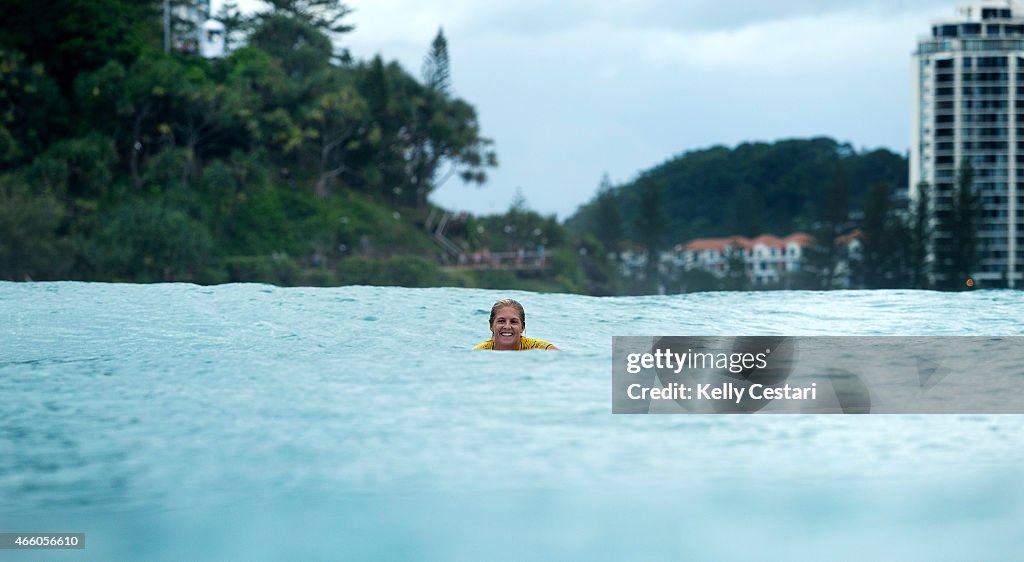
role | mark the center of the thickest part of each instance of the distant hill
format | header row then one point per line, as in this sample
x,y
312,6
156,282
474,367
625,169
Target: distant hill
x,y
756,187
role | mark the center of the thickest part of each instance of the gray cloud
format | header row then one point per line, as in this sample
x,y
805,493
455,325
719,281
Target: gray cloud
x,y
532,17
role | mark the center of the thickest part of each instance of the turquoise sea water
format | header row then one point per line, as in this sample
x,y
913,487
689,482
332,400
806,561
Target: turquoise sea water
x,y
254,422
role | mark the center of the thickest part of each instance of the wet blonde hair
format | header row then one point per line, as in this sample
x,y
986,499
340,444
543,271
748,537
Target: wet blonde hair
x,y
507,302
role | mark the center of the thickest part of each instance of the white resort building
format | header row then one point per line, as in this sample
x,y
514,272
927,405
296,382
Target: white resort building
x,y
766,259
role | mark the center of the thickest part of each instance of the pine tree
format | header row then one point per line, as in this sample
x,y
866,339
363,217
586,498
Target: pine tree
x,y
607,225
824,256
920,240
234,23
436,74
652,232
964,227
324,15
876,263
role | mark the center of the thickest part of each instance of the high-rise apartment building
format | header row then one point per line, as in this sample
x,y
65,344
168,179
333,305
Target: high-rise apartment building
x,y
968,97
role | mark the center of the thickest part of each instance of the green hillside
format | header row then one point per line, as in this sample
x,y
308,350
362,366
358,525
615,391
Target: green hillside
x,y
753,188
281,163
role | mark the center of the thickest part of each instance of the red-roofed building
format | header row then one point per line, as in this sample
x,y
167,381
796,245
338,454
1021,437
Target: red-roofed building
x,y
765,257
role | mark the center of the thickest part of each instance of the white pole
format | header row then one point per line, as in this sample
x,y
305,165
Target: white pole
x,y
167,26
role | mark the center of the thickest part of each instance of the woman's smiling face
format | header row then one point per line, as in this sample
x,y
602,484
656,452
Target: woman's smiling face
x,y
507,328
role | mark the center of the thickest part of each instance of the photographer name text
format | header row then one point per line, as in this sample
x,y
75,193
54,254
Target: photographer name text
x,y
724,391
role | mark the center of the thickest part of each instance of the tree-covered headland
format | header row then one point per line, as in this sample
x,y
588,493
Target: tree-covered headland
x,y
287,161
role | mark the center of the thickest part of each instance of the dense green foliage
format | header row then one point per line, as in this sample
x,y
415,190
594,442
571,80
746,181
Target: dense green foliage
x,y
747,190
286,162
956,231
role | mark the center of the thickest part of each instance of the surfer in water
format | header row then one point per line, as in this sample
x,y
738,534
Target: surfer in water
x,y
507,323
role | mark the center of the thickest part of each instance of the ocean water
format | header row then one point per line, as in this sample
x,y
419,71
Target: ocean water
x,y
247,421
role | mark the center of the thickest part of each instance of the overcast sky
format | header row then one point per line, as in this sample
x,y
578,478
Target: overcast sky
x,y
572,90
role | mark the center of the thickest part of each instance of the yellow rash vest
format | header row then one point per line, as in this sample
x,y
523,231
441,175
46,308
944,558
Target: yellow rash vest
x,y
524,344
